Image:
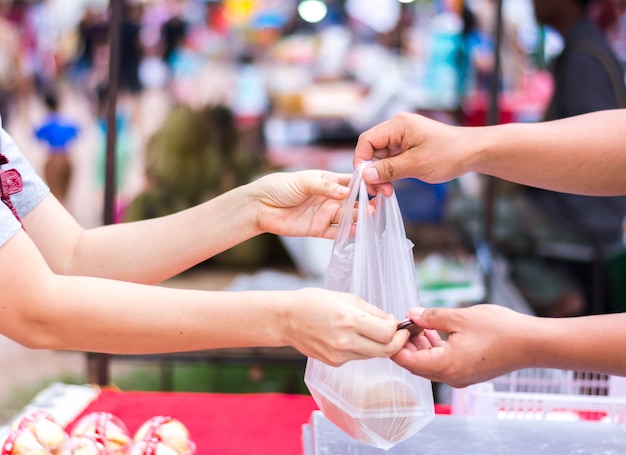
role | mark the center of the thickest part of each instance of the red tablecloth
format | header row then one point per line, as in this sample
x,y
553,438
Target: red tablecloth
x,y
224,424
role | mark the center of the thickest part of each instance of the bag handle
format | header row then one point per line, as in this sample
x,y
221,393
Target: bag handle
x,y
356,192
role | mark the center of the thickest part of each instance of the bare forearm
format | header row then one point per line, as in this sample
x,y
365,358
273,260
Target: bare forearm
x,y
164,247
59,293
487,341
589,343
117,317
583,154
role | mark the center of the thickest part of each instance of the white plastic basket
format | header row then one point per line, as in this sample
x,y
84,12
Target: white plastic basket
x,y
545,394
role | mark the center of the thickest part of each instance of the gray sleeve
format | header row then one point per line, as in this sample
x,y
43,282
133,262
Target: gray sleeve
x,y
26,200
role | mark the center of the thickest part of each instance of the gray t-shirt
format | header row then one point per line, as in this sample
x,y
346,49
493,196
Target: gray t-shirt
x,y
26,200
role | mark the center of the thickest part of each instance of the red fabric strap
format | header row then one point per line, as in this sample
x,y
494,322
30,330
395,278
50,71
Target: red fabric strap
x,y
10,183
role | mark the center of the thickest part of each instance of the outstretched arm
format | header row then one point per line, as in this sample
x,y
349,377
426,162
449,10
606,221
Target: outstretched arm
x,y
486,341
149,251
66,288
582,154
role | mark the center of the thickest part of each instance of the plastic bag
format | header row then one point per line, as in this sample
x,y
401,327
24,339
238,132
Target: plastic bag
x,y
375,401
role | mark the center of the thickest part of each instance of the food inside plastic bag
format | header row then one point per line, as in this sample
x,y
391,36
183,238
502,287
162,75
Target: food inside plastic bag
x,y
375,401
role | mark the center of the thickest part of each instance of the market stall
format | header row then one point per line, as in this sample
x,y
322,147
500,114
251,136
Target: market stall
x,y
240,424
217,423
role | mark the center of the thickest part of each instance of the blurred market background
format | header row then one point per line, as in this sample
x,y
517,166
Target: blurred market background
x,y
219,92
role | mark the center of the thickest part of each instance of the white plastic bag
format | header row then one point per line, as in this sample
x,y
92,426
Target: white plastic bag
x,y
375,401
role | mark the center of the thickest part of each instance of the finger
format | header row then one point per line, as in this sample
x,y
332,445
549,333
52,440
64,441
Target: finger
x,y
339,177
433,337
408,356
376,325
421,363
341,182
330,232
441,319
400,340
422,341
328,184
385,188
388,169
343,178
376,138
410,344
373,348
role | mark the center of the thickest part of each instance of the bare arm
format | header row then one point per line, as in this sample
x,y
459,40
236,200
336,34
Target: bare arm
x,y
583,154
153,250
65,288
486,341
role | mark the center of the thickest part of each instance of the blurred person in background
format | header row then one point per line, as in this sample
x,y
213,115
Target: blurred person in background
x,y
131,49
57,132
587,77
606,15
43,25
250,102
174,32
10,73
93,32
479,19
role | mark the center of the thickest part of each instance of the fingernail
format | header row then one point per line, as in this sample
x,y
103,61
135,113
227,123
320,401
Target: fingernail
x,y
416,311
370,175
342,189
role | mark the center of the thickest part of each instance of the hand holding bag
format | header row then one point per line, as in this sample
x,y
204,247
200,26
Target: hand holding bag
x,y
375,401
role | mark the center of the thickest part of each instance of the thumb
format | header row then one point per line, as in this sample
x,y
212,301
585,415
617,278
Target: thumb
x,y
387,170
439,319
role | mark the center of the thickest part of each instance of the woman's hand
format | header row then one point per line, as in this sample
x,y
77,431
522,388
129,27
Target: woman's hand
x,y
299,204
335,327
